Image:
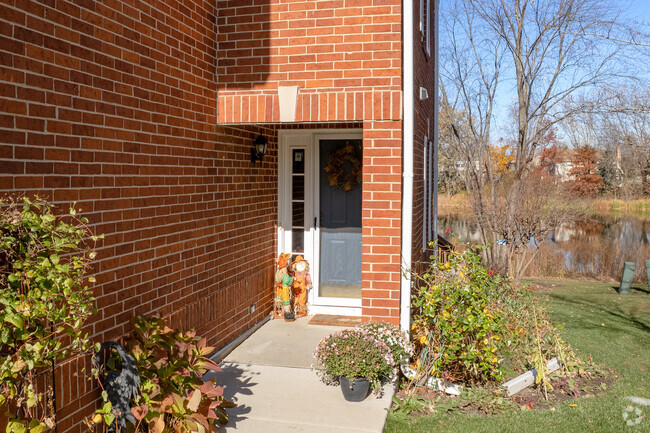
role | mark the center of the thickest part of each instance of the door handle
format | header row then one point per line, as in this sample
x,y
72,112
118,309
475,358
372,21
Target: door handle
x,y
315,221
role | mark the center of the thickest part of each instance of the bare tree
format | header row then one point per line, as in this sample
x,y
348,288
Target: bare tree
x,y
450,165
551,50
470,73
624,135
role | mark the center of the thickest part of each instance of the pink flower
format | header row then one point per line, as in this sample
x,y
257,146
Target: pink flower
x,y
490,272
447,231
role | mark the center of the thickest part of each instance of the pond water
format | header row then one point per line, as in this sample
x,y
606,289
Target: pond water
x,y
596,247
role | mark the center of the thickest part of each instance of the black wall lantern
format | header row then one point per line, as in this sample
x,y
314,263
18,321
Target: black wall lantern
x,y
259,148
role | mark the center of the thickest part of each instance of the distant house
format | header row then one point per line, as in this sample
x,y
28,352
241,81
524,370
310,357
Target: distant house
x,y
145,114
560,166
563,171
461,166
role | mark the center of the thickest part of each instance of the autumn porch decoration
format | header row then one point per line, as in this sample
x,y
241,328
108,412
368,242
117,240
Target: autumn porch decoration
x,y
344,167
352,357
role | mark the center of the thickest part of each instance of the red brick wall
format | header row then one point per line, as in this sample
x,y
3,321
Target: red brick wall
x,y
381,220
112,104
345,56
423,109
382,192
346,59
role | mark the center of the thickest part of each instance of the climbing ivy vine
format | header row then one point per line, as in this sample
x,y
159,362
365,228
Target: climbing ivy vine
x,y
44,302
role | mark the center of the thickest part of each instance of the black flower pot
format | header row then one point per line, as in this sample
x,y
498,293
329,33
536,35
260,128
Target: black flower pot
x,y
356,389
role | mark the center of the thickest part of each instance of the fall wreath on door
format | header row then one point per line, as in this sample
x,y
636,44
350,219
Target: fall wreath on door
x,y
344,167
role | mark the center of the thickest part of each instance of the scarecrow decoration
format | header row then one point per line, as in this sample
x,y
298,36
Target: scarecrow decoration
x,y
282,306
301,284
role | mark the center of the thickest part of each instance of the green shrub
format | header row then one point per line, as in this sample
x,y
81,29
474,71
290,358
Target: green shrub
x,y
458,325
44,302
469,323
172,395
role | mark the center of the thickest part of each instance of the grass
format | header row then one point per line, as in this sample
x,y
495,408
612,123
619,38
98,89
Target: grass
x,y
639,208
454,203
613,329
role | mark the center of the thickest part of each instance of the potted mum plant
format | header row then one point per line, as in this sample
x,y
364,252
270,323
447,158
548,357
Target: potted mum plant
x,y
396,339
356,360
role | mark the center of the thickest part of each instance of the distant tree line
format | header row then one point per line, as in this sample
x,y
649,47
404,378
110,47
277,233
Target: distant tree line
x,y
577,121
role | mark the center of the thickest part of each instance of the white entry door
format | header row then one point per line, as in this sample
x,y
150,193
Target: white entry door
x,y
320,217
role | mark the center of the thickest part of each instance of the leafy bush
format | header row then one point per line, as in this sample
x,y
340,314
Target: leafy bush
x,y
459,326
43,302
469,323
354,353
172,396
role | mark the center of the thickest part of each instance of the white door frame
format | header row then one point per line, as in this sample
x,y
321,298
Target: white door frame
x,y
308,140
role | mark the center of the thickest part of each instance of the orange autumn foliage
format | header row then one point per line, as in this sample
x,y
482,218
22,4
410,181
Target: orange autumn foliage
x,y
501,158
586,180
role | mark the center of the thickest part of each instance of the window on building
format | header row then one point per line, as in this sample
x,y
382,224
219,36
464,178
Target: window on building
x,y
433,191
425,24
428,204
298,202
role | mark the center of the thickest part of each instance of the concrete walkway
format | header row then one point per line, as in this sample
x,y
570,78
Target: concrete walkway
x,y
269,376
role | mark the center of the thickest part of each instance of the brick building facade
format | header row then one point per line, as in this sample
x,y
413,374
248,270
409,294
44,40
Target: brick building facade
x,y
144,113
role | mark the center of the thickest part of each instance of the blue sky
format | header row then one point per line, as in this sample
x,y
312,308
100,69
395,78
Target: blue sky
x,y
640,9
634,10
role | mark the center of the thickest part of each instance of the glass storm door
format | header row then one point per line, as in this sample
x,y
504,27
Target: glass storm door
x,y
339,227
320,219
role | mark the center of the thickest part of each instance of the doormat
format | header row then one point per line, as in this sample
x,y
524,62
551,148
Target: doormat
x,y
326,319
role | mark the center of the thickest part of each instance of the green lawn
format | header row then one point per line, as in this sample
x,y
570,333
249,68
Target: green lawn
x,y
613,329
